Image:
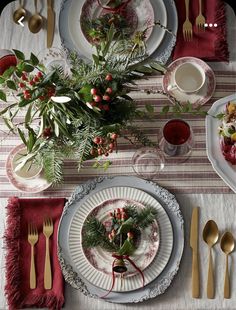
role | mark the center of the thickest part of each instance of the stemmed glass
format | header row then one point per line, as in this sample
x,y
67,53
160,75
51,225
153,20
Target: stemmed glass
x,y
176,141
175,146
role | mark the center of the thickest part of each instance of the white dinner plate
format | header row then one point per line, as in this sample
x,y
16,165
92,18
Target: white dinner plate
x,y
223,168
104,280
73,37
77,199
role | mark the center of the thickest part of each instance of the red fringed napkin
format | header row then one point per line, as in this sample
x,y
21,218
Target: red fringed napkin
x,y
20,212
210,45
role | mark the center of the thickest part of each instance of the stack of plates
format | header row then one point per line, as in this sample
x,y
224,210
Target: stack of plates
x,y
75,13
159,252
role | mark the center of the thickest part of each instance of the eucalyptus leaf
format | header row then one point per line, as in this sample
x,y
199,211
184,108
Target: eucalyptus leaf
x,y
127,248
126,226
158,66
28,114
22,136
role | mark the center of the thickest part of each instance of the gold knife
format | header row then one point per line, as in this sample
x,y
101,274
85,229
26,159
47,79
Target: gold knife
x,y
195,254
50,23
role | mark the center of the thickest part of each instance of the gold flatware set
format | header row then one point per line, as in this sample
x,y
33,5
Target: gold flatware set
x,y
188,26
33,239
210,235
35,22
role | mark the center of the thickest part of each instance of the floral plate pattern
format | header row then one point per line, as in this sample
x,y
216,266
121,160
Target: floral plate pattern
x,y
147,247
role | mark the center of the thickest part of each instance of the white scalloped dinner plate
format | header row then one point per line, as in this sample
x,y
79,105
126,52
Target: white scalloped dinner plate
x,y
99,278
222,167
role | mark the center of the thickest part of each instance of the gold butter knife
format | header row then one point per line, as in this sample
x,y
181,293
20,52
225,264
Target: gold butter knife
x,y
50,23
195,254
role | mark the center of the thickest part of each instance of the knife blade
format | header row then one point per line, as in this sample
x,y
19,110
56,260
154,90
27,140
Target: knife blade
x,y
195,253
50,23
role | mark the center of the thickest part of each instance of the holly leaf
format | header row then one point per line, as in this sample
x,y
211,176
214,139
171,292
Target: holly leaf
x,y
2,80
34,60
11,85
8,73
28,68
126,226
127,248
165,109
19,54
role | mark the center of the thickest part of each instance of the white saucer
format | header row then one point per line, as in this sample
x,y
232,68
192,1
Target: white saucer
x,y
198,98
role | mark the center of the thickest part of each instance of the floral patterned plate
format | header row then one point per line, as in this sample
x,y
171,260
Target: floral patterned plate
x,y
147,247
138,15
198,98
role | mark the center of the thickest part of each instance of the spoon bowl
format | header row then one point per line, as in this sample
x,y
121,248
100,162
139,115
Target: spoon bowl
x,y
210,233
20,12
35,23
227,243
36,20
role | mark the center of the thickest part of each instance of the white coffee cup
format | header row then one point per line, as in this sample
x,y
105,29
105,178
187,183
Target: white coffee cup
x,y
188,78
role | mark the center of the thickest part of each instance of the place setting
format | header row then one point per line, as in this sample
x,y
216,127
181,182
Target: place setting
x,y
106,138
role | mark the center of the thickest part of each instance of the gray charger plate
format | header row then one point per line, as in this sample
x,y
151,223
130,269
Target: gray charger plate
x,y
168,202
162,53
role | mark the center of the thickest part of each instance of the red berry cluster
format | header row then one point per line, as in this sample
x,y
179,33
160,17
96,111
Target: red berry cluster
x,y
27,83
101,99
104,146
118,216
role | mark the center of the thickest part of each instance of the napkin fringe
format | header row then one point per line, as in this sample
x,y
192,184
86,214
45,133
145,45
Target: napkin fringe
x,y
12,265
12,244
221,45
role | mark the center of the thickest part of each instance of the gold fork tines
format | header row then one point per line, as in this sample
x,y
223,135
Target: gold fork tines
x,y
48,231
200,20
32,239
187,25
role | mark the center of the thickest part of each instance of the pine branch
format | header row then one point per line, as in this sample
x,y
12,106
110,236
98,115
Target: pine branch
x,y
95,235
146,217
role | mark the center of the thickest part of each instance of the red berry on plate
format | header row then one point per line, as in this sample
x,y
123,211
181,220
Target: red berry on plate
x,y
32,83
108,77
22,85
93,91
111,146
36,79
92,152
109,90
39,75
24,77
130,235
106,154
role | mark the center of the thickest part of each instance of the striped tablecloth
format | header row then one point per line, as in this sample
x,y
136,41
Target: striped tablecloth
x,y
194,176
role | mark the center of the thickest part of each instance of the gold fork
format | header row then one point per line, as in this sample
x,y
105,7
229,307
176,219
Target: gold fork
x,y
200,20
187,25
48,231
32,239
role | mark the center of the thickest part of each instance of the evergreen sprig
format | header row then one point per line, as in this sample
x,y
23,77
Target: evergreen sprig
x,y
95,235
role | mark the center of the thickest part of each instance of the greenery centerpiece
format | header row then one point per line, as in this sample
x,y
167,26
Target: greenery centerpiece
x,y
79,114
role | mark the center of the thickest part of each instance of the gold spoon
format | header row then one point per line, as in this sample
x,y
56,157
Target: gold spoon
x,y
36,20
210,236
227,246
19,12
